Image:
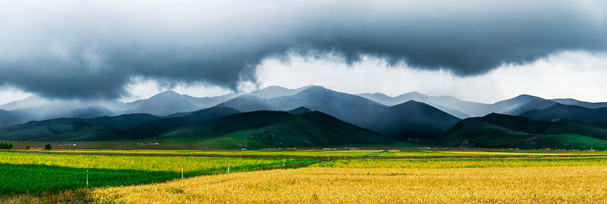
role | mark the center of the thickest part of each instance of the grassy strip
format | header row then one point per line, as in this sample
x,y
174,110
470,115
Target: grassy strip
x,y
35,179
466,163
146,163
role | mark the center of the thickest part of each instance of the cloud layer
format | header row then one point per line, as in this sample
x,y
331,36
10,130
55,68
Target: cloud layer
x,y
93,49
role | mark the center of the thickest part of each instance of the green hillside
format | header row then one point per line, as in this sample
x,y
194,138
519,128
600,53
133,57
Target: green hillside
x,y
275,129
69,131
159,127
496,130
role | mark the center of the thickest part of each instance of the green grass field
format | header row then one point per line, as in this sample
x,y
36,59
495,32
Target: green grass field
x,y
36,173
35,179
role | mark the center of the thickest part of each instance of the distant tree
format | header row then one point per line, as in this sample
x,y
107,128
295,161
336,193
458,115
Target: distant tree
x,y
9,146
27,147
47,147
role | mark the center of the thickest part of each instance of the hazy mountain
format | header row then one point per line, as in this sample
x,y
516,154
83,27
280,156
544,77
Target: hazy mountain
x,y
248,103
510,104
570,101
161,104
346,107
66,110
464,109
451,105
411,121
34,108
207,102
570,112
531,105
275,92
161,126
29,102
275,129
497,130
8,119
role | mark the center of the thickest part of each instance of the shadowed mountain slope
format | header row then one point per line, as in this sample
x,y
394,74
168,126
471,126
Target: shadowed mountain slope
x,y
8,119
570,101
411,121
276,129
558,111
161,126
497,130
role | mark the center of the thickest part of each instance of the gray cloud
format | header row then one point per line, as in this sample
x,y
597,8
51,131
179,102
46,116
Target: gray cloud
x,y
90,50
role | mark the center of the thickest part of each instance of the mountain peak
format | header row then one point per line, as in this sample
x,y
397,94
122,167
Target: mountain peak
x,y
411,94
168,93
318,87
526,96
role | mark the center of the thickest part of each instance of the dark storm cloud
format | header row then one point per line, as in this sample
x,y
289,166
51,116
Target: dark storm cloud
x,y
92,49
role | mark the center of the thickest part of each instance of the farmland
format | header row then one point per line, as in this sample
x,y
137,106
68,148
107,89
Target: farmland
x,y
394,176
36,173
344,185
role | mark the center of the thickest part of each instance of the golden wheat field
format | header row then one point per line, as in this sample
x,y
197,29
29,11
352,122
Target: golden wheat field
x,y
343,185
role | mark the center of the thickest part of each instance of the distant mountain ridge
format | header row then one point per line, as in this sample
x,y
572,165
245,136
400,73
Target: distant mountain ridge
x,y
410,118
169,102
451,105
570,101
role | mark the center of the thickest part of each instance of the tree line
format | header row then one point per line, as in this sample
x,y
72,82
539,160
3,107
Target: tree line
x,y
6,145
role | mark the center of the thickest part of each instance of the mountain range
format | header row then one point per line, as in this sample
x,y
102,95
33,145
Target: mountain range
x,y
292,116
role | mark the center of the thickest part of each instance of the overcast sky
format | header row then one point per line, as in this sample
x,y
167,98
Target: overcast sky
x,y
475,50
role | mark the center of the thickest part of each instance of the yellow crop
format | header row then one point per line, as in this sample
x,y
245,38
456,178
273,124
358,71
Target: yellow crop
x,y
334,185
144,163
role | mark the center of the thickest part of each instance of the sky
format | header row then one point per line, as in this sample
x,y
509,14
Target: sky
x,y
482,51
